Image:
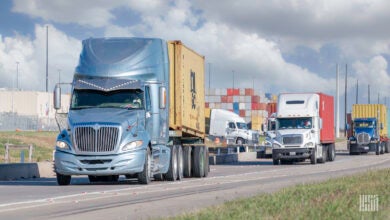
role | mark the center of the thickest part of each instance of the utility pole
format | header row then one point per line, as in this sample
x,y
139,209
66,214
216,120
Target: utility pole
x,y
233,79
17,75
337,103
59,75
209,76
369,94
357,91
47,58
345,101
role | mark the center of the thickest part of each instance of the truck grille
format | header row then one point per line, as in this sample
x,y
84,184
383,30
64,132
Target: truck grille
x,y
363,138
96,138
292,139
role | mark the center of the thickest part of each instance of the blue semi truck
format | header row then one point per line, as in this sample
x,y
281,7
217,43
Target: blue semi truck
x,y
370,129
137,110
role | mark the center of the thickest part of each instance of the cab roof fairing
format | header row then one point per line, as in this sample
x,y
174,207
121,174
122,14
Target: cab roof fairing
x,y
144,59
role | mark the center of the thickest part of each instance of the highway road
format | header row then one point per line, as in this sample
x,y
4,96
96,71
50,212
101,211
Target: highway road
x,y
43,199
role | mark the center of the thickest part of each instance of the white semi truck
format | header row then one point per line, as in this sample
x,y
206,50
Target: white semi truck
x,y
304,128
231,127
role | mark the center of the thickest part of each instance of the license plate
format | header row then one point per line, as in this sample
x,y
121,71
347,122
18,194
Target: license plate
x,y
292,153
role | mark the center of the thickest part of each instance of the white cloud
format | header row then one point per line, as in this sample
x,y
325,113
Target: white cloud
x,y
373,73
31,55
246,37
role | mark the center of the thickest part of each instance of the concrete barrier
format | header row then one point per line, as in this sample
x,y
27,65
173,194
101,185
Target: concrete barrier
x,y
231,158
14,171
11,171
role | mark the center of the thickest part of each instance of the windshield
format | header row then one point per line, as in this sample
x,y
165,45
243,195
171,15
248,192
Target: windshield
x,y
130,99
294,123
241,125
364,124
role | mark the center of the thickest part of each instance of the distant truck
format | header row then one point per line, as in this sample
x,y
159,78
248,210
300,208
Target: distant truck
x,y
370,129
231,127
304,128
137,109
266,149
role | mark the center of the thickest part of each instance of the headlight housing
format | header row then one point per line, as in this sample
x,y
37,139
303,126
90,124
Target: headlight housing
x,y
275,145
132,145
309,145
62,145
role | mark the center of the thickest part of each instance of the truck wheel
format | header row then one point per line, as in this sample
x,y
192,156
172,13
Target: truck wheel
x,y
387,150
275,161
206,162
383,145
377,150
158,177
171,175
313,156
180,164
187,161
331,152
324,157
144,176
63,180
198,164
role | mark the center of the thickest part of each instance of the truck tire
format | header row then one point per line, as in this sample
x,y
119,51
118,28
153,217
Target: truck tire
x,y
378,150
187,161
180,165
206,162
144,176
387,150
198,165
158,177
171,175
383,145
275,161
313,156
324,157
63,180
332,152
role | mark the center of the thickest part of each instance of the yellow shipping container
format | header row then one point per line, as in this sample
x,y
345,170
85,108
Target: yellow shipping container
x,y
186,73
372,111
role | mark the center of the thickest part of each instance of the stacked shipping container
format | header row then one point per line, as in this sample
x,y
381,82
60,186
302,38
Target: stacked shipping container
x,y
254,106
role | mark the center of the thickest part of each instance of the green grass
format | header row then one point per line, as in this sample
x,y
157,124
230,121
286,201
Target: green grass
x,y
334,199
43,145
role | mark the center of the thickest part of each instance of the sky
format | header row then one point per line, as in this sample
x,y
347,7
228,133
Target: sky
x,y
272,45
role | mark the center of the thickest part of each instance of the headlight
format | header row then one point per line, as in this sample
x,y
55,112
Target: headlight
x,y
275,145
309,145
62,145
352,142
132,145
374,141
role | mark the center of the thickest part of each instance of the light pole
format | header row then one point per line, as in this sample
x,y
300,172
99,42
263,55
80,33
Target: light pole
x,y
17,75
59,75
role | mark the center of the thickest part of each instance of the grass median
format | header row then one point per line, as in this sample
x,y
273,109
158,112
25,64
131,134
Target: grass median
x,y
333,199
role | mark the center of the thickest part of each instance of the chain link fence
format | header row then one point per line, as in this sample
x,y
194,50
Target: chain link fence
x,y
13,121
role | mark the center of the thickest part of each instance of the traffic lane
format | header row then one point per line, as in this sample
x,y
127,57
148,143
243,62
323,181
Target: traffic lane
x,y
221,184
46,189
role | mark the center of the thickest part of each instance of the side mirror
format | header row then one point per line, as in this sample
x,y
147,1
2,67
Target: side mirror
x,y
57,97
163,97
